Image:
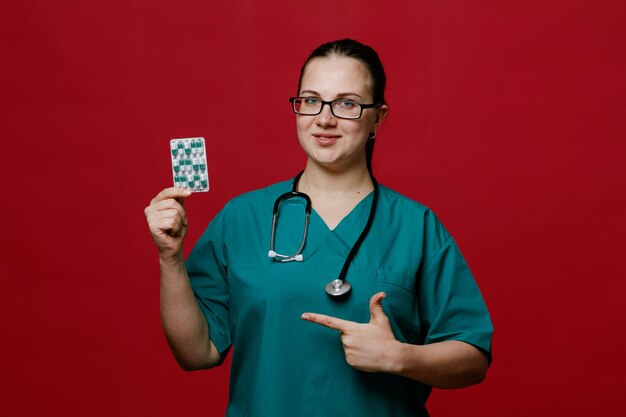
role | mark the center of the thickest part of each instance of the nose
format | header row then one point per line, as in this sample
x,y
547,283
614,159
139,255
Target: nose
x,y
326,117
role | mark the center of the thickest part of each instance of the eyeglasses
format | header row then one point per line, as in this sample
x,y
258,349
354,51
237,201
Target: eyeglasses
x,y
342,108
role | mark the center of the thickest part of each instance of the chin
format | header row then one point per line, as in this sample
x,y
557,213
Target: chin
x,y
324,157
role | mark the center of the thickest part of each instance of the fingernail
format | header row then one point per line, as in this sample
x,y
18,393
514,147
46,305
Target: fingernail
x,y
187,193
305,316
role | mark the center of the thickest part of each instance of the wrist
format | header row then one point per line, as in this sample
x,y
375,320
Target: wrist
x,y
406,358
171,260
398,357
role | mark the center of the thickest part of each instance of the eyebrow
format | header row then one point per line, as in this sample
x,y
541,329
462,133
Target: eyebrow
x,y
340,95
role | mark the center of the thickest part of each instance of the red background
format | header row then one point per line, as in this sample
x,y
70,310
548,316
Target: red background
x,y
507,118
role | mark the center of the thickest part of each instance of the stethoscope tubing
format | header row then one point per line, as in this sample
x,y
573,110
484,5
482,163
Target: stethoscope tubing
x,y
339,287
298,255
363,235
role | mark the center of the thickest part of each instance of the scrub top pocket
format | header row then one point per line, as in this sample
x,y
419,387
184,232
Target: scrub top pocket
x,y
400,305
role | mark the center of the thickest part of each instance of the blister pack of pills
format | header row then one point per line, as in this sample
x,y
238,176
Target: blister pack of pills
x,y
189,167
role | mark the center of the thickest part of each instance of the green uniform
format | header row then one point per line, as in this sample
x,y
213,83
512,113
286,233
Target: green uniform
x,y
284,366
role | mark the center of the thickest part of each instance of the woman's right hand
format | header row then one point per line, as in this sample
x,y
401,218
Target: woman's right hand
x,y
168,222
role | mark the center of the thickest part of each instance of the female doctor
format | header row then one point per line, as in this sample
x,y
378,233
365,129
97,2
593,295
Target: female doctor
x,y
404,316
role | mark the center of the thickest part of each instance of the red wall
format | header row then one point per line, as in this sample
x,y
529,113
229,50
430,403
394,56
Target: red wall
x,y
507,118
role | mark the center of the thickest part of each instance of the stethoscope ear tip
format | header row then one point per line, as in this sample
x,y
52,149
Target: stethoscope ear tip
x,y
271,254
299,258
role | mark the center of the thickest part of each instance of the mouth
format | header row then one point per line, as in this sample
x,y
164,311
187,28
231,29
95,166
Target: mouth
x,y
325,139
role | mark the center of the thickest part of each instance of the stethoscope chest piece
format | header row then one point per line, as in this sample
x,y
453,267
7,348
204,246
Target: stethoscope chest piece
x,y
338,288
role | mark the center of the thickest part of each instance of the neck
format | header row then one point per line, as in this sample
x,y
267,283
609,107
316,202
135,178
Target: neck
x,y
321,181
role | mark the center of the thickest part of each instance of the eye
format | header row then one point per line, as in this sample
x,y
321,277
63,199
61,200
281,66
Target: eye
x,y
310,101
346,104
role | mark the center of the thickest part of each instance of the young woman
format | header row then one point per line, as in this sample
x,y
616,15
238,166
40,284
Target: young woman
x,y
310,332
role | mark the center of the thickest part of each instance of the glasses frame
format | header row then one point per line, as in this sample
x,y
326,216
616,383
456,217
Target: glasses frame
x,y
292,100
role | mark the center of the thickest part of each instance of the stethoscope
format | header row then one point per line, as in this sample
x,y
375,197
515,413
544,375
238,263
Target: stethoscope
x,y
339,287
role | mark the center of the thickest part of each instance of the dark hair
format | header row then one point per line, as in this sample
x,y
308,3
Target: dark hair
x,y
350,48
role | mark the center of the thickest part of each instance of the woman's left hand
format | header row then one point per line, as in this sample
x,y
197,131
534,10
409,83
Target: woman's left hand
x,y
369,347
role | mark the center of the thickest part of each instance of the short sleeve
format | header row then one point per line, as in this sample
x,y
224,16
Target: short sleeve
x,y
451,305
207,270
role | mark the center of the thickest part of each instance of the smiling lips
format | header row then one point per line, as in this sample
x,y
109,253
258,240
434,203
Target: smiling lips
x,y
326,139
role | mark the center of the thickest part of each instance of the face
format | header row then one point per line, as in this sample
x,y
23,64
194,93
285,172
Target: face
x,y
337,144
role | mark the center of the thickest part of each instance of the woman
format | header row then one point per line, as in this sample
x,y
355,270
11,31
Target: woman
x,y
296,350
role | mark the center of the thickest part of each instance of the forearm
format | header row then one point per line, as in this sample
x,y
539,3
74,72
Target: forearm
x,y
183,323
445,365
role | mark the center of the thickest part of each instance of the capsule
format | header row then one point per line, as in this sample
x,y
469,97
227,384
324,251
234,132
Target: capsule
x,y
175,164
190,181
174,148
187,148
203,181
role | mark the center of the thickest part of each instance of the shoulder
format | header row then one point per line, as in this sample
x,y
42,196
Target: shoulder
x,y
245,205
388,196
243,209
396,204
259,196
396,208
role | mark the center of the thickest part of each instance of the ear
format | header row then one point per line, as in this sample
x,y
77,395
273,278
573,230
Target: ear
x,y
380,115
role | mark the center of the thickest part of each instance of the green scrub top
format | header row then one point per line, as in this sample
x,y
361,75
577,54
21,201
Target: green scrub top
x,y
285,366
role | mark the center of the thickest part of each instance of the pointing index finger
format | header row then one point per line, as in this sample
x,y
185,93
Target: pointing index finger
x,y
331,322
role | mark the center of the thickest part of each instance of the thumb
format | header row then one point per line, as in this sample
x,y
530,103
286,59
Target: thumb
x,y
377,314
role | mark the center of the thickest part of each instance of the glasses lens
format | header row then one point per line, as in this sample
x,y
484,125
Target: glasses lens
x,y
346,108
307,105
